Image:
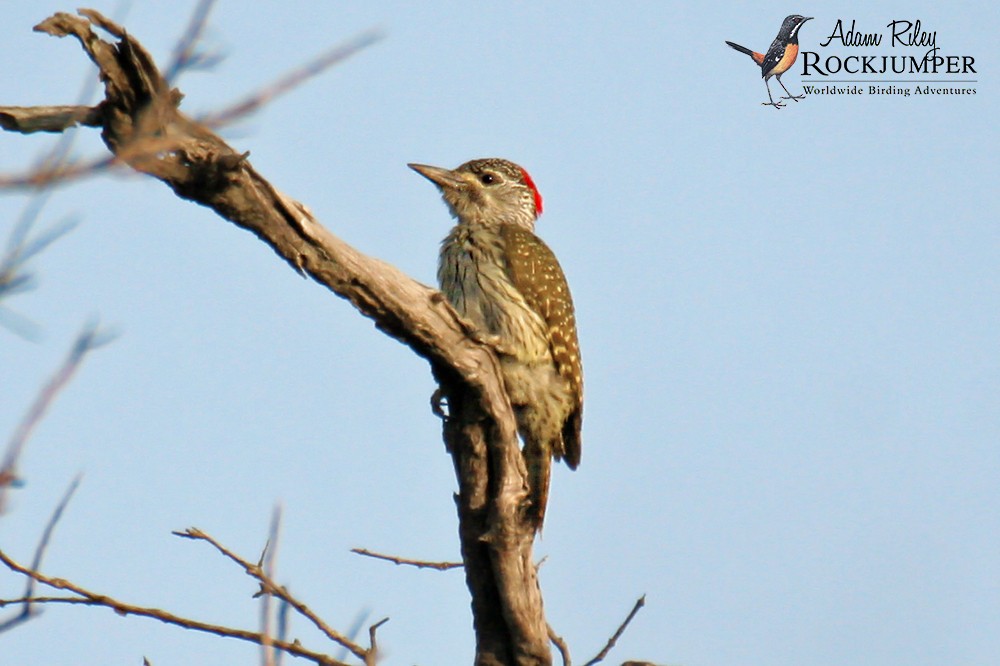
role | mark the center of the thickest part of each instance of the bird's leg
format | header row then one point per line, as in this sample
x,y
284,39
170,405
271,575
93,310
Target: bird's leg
x,y
494,342
491,340
790,95
776,105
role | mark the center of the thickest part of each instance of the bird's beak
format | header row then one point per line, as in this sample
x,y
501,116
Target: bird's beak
x,y
806,18
443,178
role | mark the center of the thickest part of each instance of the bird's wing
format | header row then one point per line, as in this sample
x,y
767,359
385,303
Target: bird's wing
x,y
774,55
536,273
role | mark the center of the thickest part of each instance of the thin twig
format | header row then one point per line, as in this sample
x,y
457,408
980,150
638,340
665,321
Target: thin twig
x,y
89,338
14,278
36,563
282,629
185,54
614,639
372,656
266,564
90,598
60,174
43,543
20,249
355,629
289,81
560,644
80,601
271,587
420,564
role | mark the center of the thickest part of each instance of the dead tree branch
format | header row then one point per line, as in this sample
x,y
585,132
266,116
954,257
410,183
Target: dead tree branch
x,y
143,128
270,587
420,564
30,119
90,598
618,633
88,339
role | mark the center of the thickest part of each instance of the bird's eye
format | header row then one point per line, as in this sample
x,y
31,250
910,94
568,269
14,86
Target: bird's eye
x,y
487,179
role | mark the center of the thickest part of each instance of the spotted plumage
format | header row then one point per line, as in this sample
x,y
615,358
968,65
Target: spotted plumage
x,y
507,283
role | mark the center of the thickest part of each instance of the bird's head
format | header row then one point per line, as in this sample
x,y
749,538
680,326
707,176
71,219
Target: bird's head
x,y
790,26
488,191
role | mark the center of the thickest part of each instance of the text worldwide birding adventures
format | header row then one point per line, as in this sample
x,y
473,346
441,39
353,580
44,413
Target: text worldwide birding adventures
x,y
506,282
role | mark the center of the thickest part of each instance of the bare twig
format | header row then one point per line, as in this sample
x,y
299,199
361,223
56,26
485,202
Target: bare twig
x,y
89,598
186,55
618,634
420,564
36,563
43,543
20,249
282,629
79,601
63,173
560,644
372,656
291,80
89,338
14,277
266,565
355,629
270,587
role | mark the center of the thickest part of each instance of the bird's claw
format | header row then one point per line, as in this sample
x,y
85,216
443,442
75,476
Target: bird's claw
x,y
438,398
491,340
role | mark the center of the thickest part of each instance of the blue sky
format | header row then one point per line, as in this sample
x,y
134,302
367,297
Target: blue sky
x,y
788,322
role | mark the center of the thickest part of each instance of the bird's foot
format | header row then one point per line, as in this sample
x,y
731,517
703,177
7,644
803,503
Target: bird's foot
x,y
477,335
438,398
795,97
491,340
776,105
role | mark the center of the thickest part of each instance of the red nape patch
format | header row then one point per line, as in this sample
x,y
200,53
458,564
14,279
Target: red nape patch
x,y
538,195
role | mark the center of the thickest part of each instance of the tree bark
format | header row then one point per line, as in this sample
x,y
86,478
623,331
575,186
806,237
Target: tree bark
x,y
142,126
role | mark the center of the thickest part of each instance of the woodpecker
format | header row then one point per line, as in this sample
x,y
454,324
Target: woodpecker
x,y
506,282
780,56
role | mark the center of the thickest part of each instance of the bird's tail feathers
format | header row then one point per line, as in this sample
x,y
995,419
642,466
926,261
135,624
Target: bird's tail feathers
x,y
539,463
741,49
